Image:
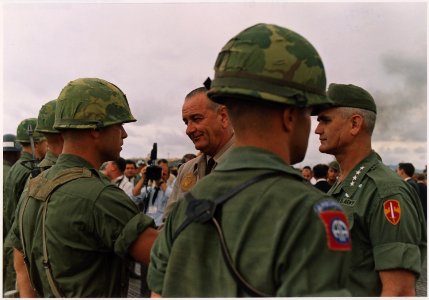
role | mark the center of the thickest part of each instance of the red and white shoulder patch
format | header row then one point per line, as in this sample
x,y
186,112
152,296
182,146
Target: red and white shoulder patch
x,y
392,211
337,230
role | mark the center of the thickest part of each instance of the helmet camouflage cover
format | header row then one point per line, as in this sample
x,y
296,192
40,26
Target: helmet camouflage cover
x,y
87,103
22,134
270,63
46,118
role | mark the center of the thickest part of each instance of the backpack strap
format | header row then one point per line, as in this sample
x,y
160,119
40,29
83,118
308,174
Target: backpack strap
x,y
41,189
202,211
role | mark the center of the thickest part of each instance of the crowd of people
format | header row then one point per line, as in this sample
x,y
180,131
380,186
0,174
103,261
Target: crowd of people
x,y
235,220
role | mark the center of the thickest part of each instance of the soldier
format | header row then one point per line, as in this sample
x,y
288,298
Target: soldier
x,y
11,153
75,230
387,222
208,126
45,123
253,227
13,187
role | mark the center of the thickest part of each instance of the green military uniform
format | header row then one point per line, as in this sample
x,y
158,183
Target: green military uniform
x,y
13,188
281,214
90,225
49,160
387,224
6,168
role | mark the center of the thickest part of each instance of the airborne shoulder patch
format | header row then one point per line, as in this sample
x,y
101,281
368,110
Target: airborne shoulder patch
x,y
392,211
335,223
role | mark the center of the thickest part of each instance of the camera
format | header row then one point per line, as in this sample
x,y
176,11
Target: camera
x,y
153,171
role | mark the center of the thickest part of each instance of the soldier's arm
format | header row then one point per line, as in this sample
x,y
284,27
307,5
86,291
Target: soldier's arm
x,y
140,249
22,278
155,295
396,283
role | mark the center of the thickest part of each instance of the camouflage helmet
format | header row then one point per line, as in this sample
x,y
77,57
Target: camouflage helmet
x,y
87,103
269,63
10,144
46,118
22,134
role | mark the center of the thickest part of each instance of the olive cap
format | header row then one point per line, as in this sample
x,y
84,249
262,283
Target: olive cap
x,y
267,62
46,118
10,144
87,103
334,165
349,95
22,135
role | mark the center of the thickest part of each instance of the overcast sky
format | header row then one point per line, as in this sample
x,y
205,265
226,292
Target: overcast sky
x,y
157,53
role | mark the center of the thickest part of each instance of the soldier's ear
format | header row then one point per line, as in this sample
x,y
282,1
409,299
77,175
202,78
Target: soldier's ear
x,y
223,113
356,124
287,118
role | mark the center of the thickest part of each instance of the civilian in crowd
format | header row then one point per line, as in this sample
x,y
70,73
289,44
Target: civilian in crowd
x,y
130,170
406,172
307,173
115,171
320,173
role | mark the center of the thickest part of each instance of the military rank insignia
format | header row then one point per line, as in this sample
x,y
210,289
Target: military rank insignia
x,y
392,211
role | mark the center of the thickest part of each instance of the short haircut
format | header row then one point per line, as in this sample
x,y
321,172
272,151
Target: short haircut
x,y
120,163
162,160
129,162
320,171
368,116
196,91
408,168
212,105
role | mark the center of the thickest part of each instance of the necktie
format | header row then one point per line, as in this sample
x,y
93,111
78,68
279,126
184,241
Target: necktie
x,y
210,165
155,195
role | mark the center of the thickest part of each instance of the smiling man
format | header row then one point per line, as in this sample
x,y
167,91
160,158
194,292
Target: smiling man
x,y
387,224
208,127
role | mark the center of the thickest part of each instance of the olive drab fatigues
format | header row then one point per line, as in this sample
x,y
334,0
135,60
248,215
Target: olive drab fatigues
x,y
89,226
278,233
12,189
387,224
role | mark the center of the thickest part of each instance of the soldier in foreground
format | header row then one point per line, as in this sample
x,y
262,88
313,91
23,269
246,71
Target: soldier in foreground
x,y
32,151
75,230
253,227
388,229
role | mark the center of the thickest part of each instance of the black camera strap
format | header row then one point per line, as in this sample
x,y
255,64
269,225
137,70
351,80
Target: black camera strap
x,y
202,211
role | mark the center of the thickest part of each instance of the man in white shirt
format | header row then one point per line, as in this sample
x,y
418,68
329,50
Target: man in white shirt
x,y
115,171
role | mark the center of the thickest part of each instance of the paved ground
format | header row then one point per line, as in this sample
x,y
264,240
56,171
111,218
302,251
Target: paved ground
x,y
421,287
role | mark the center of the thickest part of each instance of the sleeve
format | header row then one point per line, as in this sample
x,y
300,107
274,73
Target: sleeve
x,y
321,267
13,237
160,255
397,232
117,220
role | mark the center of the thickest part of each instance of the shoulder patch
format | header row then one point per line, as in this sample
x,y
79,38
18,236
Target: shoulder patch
x,y
392,211
336,224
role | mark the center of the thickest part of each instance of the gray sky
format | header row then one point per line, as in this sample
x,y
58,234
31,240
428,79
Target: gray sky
x,y
157,53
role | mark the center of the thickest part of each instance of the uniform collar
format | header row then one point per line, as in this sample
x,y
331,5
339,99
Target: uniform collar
x,y
355,177
255,158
